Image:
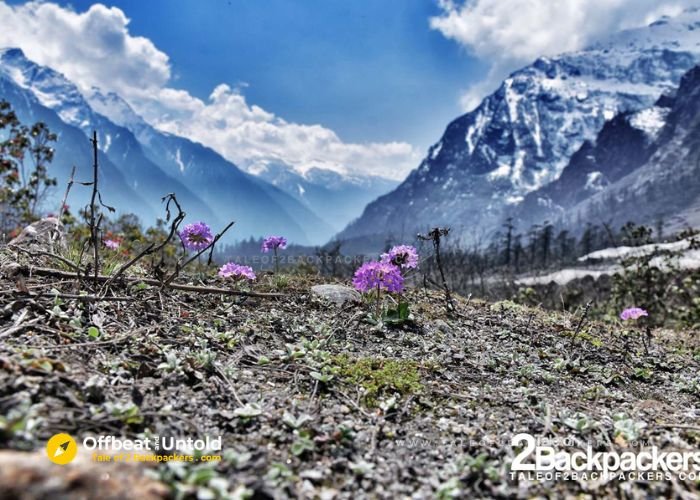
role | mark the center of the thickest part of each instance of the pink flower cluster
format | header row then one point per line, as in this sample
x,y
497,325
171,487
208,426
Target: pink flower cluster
x,y
386,274
633,313
378,275
403,256
112,244
273,243
236,271
196,236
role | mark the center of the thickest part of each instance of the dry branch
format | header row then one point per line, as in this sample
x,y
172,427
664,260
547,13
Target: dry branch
x,y
55,273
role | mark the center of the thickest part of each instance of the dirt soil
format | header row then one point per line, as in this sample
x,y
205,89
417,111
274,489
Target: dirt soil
x,y
314,400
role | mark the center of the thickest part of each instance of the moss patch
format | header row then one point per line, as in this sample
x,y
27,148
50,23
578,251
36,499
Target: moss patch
x,y
380,376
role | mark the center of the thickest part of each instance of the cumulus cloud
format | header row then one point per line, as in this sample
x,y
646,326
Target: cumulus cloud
x,y
95,49
251,136
92,48
510,33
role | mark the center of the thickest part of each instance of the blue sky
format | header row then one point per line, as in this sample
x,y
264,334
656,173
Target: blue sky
x,y
356,86
370,70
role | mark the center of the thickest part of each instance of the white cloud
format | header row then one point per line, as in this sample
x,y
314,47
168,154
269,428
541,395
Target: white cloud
x,y
95,49
251,136
510,33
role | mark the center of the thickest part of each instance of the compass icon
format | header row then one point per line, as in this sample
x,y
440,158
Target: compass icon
x,y
61,449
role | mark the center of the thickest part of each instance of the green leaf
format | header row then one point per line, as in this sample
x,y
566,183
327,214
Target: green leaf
x,y
403,310
399,315
93,332
302,445
322,377
250,410
141,286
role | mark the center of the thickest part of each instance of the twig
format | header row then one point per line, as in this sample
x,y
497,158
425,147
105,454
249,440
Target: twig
x,y
581,320
152,248
221,374
19,327
124,267
87,298
179,267
358,407
81,344
41,271
94,236
680,426
36,253
435,235
65,196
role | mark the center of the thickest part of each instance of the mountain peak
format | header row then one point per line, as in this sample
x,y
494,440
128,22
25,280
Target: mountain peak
x,y
678,33
115,108
521,137
50,87
12,53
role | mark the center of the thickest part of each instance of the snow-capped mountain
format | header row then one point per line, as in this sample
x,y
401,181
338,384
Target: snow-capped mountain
x,y
624,144
143,164
336,198
666,186
339,198
521,137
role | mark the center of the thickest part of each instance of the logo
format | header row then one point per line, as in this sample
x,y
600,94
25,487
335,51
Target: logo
x,y
647,464
61,449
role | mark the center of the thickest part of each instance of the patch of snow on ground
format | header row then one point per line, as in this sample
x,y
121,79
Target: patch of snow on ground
x,y
623,252
566,275
518,168
537,133
512,100
18,77
687,259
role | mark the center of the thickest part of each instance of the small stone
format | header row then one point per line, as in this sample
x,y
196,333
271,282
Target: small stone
x,y
312,474
45,234
338,294
441,326
27,475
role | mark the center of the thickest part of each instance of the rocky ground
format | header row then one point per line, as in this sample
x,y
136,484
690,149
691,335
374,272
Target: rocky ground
x,y
313,399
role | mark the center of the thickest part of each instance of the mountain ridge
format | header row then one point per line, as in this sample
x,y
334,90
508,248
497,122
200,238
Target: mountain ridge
x,y
153,163
521,136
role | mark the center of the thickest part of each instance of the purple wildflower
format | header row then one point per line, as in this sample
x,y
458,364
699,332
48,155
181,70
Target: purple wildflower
x,y
372,275
196,236
403,256
273,243
233,270
633,313
112,244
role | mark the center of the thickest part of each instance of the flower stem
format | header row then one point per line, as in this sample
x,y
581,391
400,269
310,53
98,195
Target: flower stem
x,y
378,311
277,266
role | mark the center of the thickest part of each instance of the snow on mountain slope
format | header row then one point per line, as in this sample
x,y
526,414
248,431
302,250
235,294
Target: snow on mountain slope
x,y
521,137
666,187
57,93
337,198
156,163
76,151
